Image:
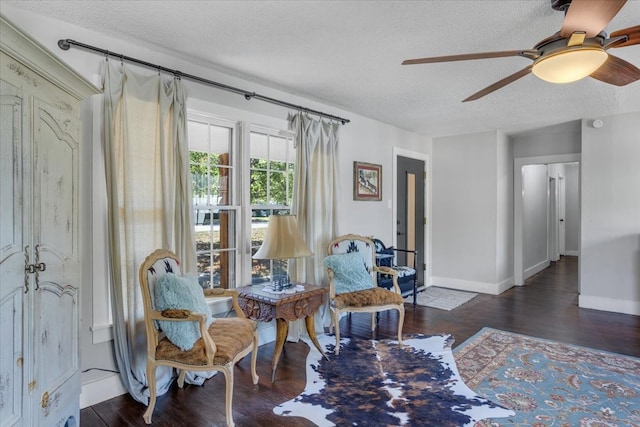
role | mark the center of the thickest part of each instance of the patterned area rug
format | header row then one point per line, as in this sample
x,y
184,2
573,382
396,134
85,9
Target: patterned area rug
x,y
548,383
442,298
379,383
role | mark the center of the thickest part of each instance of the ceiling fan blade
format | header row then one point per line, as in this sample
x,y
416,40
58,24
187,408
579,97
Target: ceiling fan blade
x,y
632,32
590,16
464,57
499,84
617,72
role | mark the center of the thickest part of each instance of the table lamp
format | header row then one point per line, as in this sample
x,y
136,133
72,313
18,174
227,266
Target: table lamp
x,y
283,241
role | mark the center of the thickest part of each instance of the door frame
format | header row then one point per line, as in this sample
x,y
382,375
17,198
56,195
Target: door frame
x,y
426,255
518,229
562,216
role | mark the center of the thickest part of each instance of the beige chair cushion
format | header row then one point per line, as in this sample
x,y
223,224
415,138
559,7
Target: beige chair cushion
x,y
231,335
366,298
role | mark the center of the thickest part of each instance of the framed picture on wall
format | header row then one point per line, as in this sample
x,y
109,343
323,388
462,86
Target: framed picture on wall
x,y
367,181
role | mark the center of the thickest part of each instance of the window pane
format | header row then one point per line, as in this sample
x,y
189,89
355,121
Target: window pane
x,y
226,235
224,186
258,188
216,246
278,188
221,138
258,147
198,136
214,269
277,165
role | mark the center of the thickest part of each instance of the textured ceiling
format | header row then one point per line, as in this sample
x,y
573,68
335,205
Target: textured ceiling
x,y
347,54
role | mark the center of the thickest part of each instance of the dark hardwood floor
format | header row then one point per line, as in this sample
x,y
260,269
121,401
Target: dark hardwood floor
x,y
546,307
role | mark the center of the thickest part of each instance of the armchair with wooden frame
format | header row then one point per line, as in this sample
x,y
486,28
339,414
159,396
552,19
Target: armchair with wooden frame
x,y
216,348
352,270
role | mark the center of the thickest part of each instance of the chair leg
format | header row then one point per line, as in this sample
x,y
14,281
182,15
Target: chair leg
x,y
400,323
373,321
151,378
336,323
228,376
181,376
254,357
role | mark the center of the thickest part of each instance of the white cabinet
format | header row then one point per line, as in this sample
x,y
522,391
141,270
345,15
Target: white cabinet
x,y
40,256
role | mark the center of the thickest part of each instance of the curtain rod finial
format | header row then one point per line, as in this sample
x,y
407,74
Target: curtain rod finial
x,y
64,44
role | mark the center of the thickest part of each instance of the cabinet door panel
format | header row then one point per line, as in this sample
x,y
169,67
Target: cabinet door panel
x,y
56,335
56,191
55,195
12,257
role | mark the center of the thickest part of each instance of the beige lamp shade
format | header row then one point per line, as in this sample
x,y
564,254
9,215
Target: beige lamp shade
x,y
283,240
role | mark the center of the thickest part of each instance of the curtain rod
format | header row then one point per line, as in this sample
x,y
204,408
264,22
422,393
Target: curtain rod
x,y
65,44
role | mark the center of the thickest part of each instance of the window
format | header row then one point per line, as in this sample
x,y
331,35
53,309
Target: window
x,y
271,174
224,166
213,160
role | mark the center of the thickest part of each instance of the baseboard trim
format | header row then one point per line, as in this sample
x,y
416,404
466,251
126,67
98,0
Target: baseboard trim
x,y
472,286
609,304
536,268
100,390
572,253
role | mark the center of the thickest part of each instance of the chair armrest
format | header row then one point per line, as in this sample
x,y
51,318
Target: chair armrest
x,y
386,270
226,293
181,315
332,288
406,250
409,251
178,315
394,277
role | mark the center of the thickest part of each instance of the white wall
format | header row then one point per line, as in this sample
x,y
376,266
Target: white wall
x,y
371,141
571,175
466,237
535,185
610,235
563,138
504,217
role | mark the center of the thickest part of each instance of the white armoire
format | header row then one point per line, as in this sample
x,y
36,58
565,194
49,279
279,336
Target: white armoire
x,y
40,256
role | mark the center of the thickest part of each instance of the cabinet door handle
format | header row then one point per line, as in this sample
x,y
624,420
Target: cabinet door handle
x,y
38,267
28,269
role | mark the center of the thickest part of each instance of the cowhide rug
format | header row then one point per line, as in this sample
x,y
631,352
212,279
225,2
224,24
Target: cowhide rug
x,y
379,383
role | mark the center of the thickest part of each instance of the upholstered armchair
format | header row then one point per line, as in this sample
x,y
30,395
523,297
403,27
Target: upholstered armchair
x,y
351,266
181,332
407,277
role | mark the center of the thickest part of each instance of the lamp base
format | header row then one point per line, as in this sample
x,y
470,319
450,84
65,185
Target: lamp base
x,y
281,282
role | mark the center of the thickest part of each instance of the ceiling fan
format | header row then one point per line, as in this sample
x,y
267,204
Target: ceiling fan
x,y
576,51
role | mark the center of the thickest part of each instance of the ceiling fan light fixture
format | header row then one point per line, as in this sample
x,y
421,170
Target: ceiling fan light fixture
x,y
569,65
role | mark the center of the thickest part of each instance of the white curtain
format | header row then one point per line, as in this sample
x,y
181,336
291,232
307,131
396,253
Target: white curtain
x,y
315,203
149,202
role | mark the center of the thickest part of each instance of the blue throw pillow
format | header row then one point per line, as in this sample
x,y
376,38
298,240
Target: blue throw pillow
x,y
349,272
181,292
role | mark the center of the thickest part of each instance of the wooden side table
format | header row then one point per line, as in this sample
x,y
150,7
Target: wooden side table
x,y
263,306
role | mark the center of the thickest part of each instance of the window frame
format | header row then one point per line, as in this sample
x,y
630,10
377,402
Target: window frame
x,y
236,186
250,128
